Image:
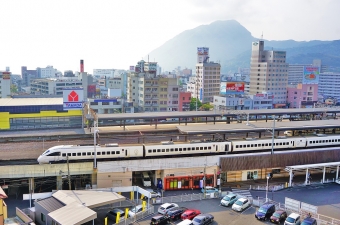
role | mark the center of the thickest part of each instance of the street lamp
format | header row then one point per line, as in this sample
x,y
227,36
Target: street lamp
x,y
43,142
267,188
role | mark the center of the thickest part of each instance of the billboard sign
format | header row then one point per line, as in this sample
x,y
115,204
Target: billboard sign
x,y
202,51
310,75
73,99
234,88
5,75
201,94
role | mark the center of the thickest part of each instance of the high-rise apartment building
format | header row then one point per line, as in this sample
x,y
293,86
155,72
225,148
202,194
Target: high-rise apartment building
x,y
5,84
297,71
208,77
27,75
47,72
329,83
269,73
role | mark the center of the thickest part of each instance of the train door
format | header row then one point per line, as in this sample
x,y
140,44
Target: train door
x,y
126,153
226,148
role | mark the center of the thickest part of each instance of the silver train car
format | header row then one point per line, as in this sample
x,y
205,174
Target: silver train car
x,y
168,149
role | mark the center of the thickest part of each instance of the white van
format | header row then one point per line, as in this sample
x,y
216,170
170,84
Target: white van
x,y
146,179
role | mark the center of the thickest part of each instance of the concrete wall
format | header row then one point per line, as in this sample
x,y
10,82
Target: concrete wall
x,y
27,171
112,179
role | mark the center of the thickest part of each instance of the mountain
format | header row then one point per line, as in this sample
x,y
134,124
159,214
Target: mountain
x,y
230,44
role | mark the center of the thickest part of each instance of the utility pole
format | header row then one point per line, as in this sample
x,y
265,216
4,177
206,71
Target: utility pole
x,y
273,135
69,177
95,143
204,182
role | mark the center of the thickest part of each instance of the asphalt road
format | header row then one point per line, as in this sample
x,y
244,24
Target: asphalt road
x,y
326,197
222,215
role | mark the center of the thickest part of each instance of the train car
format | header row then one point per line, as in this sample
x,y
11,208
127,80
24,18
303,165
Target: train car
x,y
323,140
193,148
254,144
86,152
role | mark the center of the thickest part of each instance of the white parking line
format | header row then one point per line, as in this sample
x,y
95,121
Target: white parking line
x,y
246,209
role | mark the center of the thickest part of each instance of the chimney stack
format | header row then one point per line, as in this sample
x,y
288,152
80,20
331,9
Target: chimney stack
x,y
82,66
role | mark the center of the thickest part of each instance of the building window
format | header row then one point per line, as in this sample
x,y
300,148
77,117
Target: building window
x,y
43,217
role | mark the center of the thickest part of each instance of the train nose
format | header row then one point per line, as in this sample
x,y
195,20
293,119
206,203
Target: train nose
x,y
39,160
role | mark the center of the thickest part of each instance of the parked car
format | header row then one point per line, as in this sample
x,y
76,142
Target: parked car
x,y
154,193
265,211
186,222
166,207
241,204
293,219
159,220
132,212
278,216
203,219
112,214
209,189
309,221
190,214
229,199
175,213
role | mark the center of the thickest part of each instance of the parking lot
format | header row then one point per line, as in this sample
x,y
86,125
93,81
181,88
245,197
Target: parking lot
x,y
223,215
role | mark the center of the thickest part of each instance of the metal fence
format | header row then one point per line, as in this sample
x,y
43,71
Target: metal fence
x,y
137,217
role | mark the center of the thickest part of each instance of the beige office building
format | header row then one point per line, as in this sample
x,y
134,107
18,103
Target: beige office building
x,y
269,73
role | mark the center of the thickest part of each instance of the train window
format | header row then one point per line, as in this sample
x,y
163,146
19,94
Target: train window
x,y
251,145
83,153
99,153
209,147
89,153
248,146
266,144
163,150
78,153
118,152
326,141
201,148
68,154
205,148
107,153
167,150
92,153
338,140
244,146
74,154
255,145
281,143
180,149
171,149
103,153
158,150
64,154
113,152
149,151
323,141
154,150
176,149
197,148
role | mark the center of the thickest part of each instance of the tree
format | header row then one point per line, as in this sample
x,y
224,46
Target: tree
x,y
193,104
206,107
14,88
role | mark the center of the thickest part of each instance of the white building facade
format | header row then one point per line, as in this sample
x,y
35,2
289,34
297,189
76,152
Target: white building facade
x,y
329,85
5,84
47,72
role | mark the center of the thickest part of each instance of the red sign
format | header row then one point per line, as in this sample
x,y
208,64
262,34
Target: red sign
x,y
73,97
235,87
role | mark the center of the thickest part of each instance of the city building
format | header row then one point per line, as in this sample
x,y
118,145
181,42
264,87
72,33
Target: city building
x,y
302,95
207,81
47,72
69,73
101,73
110,105
53,86
5,84
27,75
37,113
329,83
149,92
184,101
262,100
269,73
296,72
233,102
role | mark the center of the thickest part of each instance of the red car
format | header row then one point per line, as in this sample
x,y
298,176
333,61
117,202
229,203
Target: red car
x,y
190,214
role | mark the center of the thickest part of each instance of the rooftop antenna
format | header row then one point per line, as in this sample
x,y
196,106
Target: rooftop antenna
x,y
262,36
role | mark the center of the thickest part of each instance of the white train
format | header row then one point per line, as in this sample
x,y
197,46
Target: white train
x,y
168,149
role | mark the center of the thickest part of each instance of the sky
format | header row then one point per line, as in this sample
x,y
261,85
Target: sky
x,y
109,34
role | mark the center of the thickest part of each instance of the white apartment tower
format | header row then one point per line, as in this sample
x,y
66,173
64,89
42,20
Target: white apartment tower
x,y
208,76
268,73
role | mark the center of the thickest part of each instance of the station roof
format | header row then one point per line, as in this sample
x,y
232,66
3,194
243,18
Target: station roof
x,y
78,204
213,113
258,126
317,165
30,101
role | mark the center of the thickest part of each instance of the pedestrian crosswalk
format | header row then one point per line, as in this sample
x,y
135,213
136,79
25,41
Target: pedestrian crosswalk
x,y
242,192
